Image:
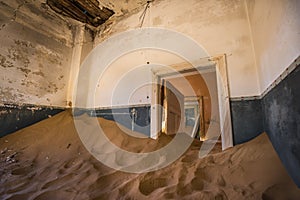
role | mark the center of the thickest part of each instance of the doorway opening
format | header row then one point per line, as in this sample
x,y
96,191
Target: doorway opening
x,y
188,104
194,101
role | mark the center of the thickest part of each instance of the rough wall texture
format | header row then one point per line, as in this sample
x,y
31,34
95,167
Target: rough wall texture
x,y
35,56
282,121
247,120
35,53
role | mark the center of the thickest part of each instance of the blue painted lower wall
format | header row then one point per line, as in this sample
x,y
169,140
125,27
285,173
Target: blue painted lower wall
x,y
278,114
124,116
247,120
15,117
281,109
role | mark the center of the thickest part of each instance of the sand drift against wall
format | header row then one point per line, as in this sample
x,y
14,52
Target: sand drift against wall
x,y
48,161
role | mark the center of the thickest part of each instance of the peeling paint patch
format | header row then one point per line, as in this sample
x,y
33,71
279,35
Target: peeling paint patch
x,y
24,70
3,112
60,77
36,47
37,16
39,73
49,55
7,94
4,62
34,68
38,70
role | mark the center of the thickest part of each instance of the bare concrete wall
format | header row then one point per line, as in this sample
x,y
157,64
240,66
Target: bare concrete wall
x,y
36,49
275,29
219,26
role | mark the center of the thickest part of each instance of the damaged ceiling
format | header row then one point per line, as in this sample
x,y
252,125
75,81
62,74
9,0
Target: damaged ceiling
x,y
86,11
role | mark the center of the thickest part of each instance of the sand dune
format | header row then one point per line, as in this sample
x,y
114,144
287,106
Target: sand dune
x,y
48,161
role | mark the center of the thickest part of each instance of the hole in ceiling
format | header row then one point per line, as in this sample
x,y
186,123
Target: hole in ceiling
x,y
86,11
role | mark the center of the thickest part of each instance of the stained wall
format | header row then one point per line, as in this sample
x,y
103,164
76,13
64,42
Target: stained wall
x,y
35,62
36,50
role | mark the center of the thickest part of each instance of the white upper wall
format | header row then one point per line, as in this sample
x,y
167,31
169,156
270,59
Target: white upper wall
x,y
128,80
219,26
275,26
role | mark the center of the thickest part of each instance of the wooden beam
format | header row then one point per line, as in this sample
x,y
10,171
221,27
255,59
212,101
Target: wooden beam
x,y
86,11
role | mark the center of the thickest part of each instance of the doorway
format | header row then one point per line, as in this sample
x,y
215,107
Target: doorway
x,y
211,110
187,104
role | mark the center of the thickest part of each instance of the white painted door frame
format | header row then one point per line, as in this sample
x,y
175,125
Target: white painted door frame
x,y
217,63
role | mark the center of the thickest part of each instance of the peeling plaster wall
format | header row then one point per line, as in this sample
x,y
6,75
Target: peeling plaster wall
x,y
219,26
36,49
275,29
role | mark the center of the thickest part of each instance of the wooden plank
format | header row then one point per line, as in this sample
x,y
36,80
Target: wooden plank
x,y
86,11
202,117
174,109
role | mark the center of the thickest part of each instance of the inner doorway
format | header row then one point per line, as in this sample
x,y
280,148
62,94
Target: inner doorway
x,y
188,105
216,127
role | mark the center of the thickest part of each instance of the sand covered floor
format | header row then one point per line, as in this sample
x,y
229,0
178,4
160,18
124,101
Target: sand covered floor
x,y
48,161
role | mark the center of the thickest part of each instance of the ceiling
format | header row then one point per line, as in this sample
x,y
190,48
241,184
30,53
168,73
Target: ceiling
x,y
86,11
